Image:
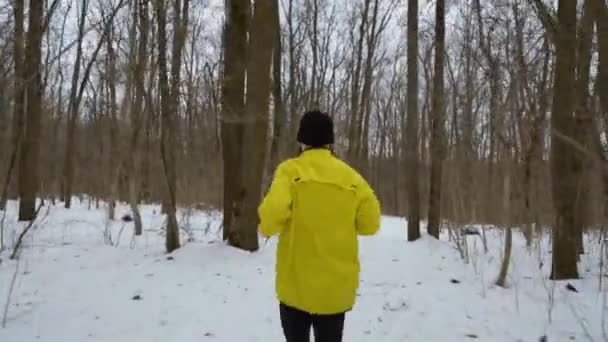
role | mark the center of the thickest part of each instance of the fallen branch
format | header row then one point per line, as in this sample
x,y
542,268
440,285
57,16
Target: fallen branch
x,y
16,250
9,295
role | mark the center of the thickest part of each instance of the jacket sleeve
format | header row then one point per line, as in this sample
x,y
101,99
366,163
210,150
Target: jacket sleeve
x,y
275,210
368,212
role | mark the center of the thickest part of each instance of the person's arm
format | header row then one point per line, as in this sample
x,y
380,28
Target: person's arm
x,y
275,210
368,212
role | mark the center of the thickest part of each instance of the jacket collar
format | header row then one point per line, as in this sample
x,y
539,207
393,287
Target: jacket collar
x,y
316,152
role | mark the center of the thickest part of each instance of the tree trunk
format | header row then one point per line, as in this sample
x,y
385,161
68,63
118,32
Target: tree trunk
x,y
114,155
583,165
355,119
506,220
233,105
468,149
280,114
413,190
168,118
19,97
601,21
137,114
244,235
562,154
362,133
437,122
68,166
29,178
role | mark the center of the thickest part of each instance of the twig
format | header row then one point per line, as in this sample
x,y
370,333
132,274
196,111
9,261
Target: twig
x,y
484,239
120,234
2,229
107,234
604,309
15,253
9,294
581,322
602,254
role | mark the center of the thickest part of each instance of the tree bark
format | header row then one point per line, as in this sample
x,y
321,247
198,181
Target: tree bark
x,y
19,96
233,105
29,175
506,218
280,115
168,118
562,154
601,22
137,113
411,150
114,155
438,122
245,235
583,165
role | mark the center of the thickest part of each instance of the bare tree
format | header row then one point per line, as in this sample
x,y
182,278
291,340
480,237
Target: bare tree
x,y
601,22
563,154
583,166
244,234
169,108
137,111
412,123
437,122
233,105
19,94
29,175
77,93
280,114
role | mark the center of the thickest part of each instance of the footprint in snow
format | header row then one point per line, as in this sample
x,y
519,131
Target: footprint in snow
x,y
395,307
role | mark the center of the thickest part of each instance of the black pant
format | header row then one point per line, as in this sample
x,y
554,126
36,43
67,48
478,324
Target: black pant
x,y
296,325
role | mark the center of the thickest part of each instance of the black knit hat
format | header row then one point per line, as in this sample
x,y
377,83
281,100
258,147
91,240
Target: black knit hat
x,y
316,129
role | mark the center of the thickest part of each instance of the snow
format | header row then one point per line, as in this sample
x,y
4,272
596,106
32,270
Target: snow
x,y
73,286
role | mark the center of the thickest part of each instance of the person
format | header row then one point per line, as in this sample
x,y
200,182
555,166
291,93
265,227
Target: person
x,y
318,205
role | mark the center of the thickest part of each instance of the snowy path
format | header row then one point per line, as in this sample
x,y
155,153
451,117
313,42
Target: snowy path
x,y
72,288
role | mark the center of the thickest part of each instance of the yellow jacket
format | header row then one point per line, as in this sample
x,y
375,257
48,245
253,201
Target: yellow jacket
x,y
318,205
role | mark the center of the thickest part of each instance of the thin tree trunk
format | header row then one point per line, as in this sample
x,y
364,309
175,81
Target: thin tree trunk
x,y
506,204
114,155
19,97
355,119
137,113
438,122
168,113
583,166
413,226
68,167
280,115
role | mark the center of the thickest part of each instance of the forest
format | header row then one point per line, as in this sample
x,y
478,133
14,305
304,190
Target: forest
x,y
457,112
138,138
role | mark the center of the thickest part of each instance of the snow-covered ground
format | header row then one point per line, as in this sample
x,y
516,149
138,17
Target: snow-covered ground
x,y
74,285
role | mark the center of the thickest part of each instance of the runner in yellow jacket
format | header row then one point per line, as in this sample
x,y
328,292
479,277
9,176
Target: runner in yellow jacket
x,y
318,205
